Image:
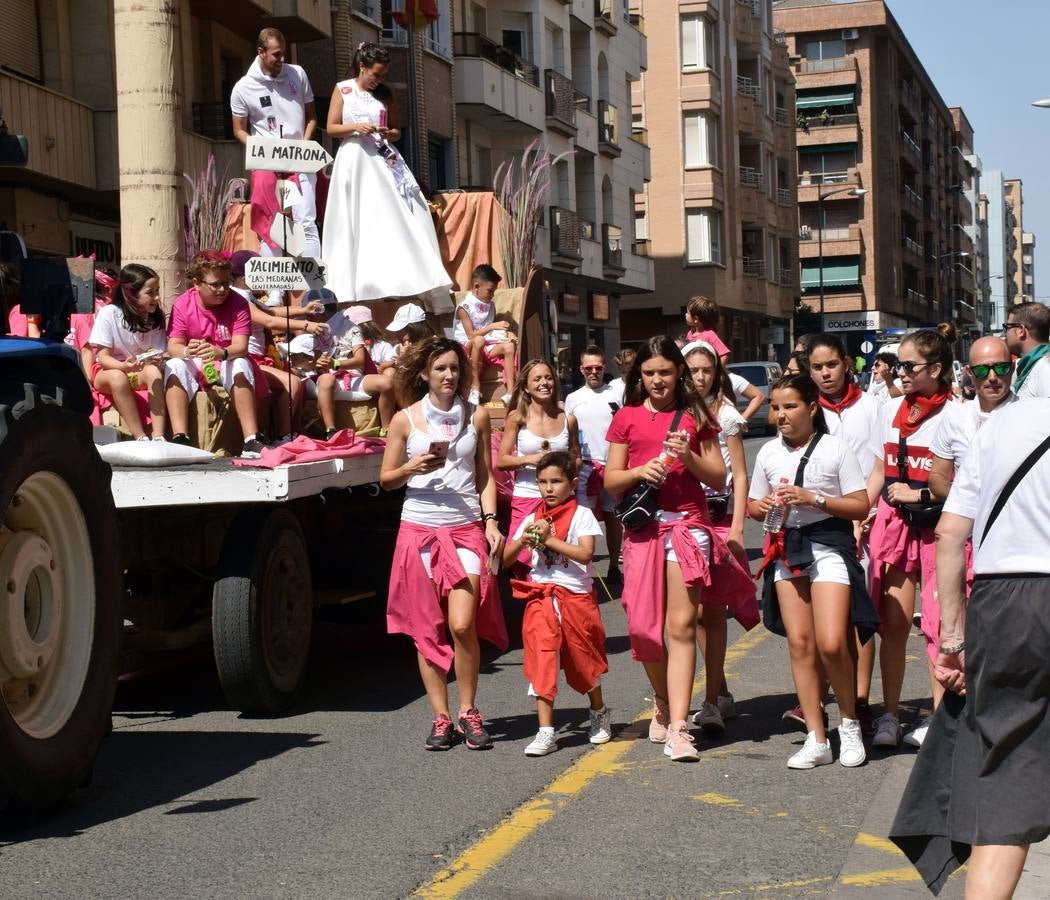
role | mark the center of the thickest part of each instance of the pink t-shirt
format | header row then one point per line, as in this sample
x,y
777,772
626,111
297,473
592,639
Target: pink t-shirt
x,y
217,324
644,434
712,338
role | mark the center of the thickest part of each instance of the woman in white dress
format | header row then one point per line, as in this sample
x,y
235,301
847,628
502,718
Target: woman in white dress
x,y
378,240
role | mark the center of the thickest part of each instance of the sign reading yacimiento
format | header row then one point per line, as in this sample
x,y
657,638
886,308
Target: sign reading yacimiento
x,y
284,273
276,155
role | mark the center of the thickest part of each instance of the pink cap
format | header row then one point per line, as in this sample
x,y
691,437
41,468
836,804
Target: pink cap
x,y
359,314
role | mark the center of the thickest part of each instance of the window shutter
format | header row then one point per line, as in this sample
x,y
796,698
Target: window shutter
x,y
20,38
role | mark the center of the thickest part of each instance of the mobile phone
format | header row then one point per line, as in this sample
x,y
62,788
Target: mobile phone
x,y
438,449
150,355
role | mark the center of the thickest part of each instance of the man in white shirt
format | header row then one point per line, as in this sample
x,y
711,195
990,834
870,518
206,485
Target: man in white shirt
x,y
1027,332
989,754
991,369
594,405
275,100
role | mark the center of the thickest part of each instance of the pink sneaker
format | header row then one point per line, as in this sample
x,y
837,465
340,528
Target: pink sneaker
x,y
661,719
680,745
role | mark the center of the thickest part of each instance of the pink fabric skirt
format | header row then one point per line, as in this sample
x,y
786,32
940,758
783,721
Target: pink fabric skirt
x,y
104,401
520,508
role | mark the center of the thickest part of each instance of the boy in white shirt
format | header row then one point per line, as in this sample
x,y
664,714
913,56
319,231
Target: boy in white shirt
x,y
487,342
562,626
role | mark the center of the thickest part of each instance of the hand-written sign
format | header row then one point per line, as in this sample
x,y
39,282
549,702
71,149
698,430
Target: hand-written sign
x,y
275,155
284,273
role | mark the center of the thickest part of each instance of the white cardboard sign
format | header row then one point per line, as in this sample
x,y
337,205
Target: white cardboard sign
x,y
277,155
288,235
284,273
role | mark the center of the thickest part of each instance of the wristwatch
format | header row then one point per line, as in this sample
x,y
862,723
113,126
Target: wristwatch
x,y
925,496
821,502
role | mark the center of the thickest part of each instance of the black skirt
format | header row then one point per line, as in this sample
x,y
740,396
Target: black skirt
x,y
983,774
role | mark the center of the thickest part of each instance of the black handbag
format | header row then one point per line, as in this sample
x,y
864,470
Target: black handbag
x,y
918,515
637,509
718,507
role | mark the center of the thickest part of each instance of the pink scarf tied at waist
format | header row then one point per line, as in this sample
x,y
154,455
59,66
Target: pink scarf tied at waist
x,y
417,604
725,581
595,481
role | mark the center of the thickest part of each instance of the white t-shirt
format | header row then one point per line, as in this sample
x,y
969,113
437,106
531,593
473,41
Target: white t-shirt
x,y
381,352
110,331
1037,384
885,440
739,383
732,423
480,314
958,426
619,387
344,337
857,425
832,470
594,412
1019,537
573,576
269,103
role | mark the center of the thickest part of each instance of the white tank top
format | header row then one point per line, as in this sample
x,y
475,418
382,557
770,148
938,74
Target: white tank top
x,y
449,495
360,106
528,443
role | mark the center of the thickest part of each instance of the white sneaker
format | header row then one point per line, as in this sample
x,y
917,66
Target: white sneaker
x,y
709,718
545,742
142,439
917,735
727,707
887,731
474,397
599,732
851,744
812,754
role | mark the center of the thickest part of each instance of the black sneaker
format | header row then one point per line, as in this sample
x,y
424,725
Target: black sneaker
x,y
442,734
472,728
182,438
253,448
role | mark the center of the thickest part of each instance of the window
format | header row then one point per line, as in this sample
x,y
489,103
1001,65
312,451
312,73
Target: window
x,y
703,236
393,34
699,43
700,135
20,39
826,49
439,159
641,225
771,259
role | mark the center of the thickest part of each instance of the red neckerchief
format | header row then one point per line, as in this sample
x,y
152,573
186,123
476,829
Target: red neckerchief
x,y
852,395
558,517
775,550
916,409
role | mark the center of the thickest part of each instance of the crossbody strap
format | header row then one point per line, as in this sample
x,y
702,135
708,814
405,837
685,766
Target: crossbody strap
x,y
676,421
801,470
1011,485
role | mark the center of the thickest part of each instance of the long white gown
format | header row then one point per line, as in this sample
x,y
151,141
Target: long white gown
x,y
378,240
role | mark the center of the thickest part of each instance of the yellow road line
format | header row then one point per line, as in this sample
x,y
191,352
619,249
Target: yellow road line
x,y
877,843
779,886
491,848
881,877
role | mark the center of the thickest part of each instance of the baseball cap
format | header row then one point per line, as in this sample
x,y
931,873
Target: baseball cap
x,y
359,314
300,344
326,296
406,315
239,262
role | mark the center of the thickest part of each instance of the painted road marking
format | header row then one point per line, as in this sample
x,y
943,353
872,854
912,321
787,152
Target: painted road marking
x,y
877,843
605,759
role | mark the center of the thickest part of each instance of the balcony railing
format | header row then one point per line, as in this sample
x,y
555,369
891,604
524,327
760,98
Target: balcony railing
x,y
824,178
910,143
750,177
805,233
608,124
471,45
787,276
561,97
780,37
748,87
911,196
612,246
367,8
783,115
603,15
826,119
914,296
754,265
838,64
565,232
785,196
911,244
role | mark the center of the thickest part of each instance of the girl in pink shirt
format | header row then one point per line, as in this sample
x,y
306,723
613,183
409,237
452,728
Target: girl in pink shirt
x,y
702,315
668,564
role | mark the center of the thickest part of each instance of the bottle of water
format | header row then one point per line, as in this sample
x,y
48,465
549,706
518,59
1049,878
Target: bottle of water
x,y
774,520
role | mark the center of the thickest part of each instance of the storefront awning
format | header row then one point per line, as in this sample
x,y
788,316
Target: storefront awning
x,y
837,96
827,148
836,274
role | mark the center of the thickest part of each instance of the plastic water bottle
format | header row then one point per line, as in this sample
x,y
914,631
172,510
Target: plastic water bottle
x,y
774,520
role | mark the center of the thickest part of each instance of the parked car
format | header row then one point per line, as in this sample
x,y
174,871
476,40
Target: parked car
x,y
761,374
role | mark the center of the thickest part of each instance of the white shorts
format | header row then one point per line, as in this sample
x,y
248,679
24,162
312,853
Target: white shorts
x,y
607,500
186,371
356,394
702,538
827,566
469,559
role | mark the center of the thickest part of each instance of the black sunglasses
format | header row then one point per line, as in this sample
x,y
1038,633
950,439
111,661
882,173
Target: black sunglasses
x,y
981,370
1010,325
907,366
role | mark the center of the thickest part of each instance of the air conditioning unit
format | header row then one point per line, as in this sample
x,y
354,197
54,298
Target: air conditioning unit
x,y
850,34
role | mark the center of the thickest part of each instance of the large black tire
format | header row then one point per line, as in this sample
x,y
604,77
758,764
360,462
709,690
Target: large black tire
x,y
262,612
59,540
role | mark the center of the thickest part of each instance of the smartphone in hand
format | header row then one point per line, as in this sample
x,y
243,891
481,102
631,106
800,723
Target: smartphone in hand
x,y
439,449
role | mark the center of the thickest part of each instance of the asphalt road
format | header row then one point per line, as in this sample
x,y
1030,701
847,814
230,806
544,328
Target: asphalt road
x,y
339,799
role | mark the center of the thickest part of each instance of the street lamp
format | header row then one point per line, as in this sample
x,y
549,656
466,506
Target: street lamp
x,y
852,192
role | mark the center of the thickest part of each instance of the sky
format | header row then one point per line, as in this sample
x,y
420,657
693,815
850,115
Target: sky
x,y
992,60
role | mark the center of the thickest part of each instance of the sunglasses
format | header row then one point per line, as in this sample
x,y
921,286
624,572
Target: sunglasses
x,y
217,285
1010,325
1000,368
907,367
593,368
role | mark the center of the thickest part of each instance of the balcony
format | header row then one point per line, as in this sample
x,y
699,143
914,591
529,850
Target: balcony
x,y
913,296
752,178
780,37
912,246
495,87
911,197
909,94
561,100
300,20
783,116
565,236
608,129
785,196
604,18
908,141
786,277
830,242
820,66
368,9
748,88
612,251
470,45
754,265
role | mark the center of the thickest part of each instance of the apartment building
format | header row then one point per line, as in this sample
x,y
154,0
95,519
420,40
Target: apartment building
x,y
885,175
562,71
1028,265
719,215
999,233
1013,199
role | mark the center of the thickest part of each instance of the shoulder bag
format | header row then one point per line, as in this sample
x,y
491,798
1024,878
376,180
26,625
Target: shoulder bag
x,y
638,507
918,515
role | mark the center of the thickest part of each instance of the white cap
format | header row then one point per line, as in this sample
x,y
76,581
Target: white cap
x,y
406,315
301,344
